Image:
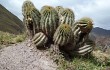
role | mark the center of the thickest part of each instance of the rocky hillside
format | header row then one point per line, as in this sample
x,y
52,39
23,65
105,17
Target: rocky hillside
x,y
101,32
9,22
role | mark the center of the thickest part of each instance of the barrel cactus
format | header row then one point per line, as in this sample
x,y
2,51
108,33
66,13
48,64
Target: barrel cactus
x,y
57,25
39,39
62,35
31,17
85,24
49,20
67,16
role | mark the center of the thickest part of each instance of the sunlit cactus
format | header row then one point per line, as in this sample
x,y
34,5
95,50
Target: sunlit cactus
x,y
67,16
39,39
62,35
31,17
85,24
49,20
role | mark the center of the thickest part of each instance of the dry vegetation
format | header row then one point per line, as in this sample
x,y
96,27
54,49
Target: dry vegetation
x,y
103,43
7,38
76,63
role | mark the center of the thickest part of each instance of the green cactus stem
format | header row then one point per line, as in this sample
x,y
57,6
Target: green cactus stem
x,y
67,16
39,39
31,18
62,35
49,20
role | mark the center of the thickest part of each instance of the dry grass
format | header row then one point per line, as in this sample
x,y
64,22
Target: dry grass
x,y
85,63
7,38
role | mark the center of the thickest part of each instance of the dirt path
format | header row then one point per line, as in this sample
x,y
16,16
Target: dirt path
x,y
21,57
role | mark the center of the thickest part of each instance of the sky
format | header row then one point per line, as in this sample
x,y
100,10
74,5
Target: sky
x,y
98,10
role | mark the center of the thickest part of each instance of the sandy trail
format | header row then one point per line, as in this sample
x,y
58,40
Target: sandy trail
x,y
21,57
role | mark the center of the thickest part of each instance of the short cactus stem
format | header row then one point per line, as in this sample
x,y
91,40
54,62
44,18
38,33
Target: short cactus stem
x,y
62,35
85,24
39,39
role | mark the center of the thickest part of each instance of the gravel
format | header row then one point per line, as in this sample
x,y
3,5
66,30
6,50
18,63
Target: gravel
x,y
21,57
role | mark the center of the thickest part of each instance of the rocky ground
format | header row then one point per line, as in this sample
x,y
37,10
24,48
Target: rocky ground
x,y
21,57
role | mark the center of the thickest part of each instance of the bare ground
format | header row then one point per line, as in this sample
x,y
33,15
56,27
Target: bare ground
x,y
21,57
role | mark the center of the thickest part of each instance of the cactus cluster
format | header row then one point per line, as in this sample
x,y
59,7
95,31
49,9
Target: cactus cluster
x,y
58,26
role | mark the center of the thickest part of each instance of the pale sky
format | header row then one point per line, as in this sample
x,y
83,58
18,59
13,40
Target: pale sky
x,y
98,10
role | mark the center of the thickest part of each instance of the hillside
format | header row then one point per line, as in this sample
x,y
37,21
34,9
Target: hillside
x,y
101,32
9,22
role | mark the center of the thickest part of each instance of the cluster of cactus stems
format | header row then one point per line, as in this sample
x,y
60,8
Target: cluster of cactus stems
x,y
57,24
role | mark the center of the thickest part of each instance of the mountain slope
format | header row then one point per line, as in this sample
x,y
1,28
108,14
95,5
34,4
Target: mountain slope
x,y
9,22
101,32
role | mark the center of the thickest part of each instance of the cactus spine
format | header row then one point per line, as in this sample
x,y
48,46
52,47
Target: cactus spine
x,y
49,20
67,16
62,35
57,25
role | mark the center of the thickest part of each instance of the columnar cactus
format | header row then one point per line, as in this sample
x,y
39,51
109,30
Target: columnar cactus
x,y
39,39
31,17
62,35
67,16
49,20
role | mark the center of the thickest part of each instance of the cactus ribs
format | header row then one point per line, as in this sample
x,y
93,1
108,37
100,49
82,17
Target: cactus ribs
x,y
57,26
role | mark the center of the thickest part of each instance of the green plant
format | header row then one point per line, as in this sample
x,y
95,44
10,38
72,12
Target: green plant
x,y
81,63
67,16
39,39
19,38
49,20
7,38
85,24
31,18
62,35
